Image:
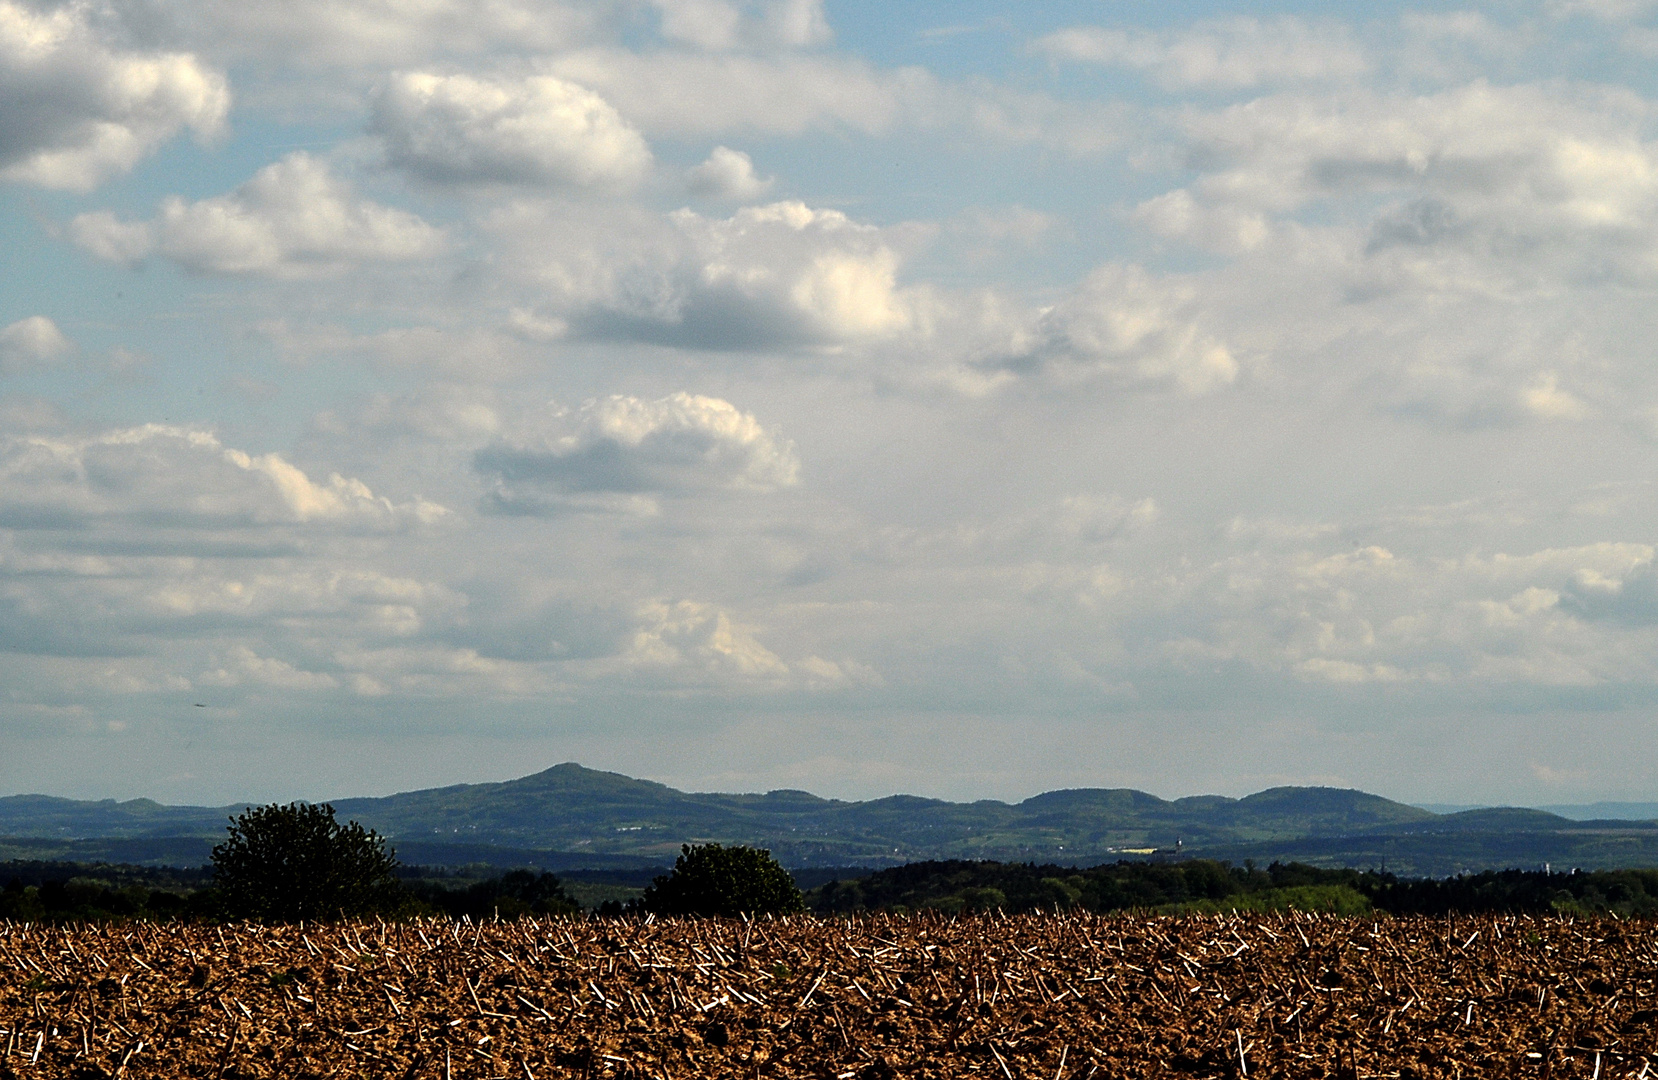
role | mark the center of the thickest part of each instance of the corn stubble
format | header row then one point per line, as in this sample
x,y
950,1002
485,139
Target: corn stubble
x,y
1047,996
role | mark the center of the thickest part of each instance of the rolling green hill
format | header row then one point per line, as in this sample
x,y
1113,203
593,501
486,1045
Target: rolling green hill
x,y
569,816
47,816
576,810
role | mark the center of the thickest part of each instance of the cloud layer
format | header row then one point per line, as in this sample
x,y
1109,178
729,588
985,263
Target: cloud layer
x,y
1236,54
754,393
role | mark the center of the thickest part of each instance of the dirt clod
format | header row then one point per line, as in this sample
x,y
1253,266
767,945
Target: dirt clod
x,y
884,997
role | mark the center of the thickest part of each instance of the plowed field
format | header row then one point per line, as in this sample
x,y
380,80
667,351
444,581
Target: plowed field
x,y
1037,997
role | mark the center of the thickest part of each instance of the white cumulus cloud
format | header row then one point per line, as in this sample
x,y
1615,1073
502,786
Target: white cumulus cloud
x,y
769,276
1480,182
31,343
75,110
698,636
728,174
625,446
538,130
680,643
1126,326
293,219
178,478
244,667
1560,617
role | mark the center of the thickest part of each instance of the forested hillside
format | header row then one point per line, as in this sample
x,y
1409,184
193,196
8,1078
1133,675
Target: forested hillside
x,y
569,817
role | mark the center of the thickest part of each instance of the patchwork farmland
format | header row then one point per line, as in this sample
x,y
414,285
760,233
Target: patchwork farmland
x,y
1054,997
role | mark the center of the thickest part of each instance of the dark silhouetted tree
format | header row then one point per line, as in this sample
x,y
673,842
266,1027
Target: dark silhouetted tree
x,y
287,863
709,879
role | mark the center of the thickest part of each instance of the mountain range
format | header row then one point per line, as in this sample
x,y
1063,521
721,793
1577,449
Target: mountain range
x,y
569,817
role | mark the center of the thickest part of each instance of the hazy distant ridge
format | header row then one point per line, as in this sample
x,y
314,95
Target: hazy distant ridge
x,y
602,818
1598,811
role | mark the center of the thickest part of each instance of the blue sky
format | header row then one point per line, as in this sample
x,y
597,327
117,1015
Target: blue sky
x,y
961,399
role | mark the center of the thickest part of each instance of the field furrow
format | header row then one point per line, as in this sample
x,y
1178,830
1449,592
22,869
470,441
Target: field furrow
x,y
1049,996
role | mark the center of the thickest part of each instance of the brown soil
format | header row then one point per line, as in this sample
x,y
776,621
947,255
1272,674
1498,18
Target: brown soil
x,y
1026,998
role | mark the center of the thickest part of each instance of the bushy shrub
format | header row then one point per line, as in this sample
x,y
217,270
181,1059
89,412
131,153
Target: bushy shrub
x,y
709,879
294,862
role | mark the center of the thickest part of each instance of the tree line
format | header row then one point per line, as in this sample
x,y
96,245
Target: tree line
x,y
298,862
1200,885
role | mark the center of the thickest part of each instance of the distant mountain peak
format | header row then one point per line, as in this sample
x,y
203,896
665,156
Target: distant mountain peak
x,y
574,815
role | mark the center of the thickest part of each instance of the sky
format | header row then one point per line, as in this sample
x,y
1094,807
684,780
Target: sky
x,y
964,399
